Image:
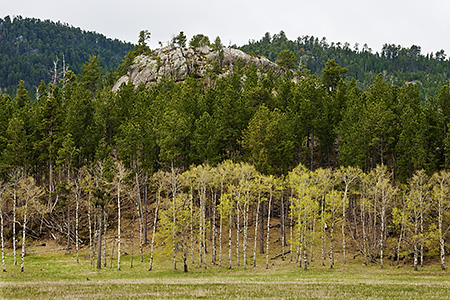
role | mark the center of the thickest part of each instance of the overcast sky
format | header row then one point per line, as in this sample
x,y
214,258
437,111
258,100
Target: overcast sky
x,y
401,22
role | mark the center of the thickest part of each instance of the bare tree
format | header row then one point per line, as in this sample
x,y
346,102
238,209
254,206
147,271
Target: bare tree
x,y
119,186
29,194
2,189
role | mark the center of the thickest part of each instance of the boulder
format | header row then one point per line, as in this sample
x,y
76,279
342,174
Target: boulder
x,y
177,63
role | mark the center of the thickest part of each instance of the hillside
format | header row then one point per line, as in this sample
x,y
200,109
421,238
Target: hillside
x,y
398,64
29,48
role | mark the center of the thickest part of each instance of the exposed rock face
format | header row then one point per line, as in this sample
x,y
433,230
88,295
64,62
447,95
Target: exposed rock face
x,y
177,63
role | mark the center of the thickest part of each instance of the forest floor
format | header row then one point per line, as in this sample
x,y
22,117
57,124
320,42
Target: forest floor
x,y
51,273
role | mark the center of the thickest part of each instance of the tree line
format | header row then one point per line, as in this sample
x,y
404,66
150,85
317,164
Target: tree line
x,y
30,48
399,64
236,212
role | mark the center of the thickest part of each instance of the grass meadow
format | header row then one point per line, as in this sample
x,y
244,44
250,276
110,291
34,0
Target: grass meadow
x,y
56,275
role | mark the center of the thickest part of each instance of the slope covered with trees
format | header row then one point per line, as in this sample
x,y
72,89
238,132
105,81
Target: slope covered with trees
x,y
398,64
197,160
29,47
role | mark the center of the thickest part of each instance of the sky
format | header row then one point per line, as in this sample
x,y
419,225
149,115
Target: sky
x,y
400,22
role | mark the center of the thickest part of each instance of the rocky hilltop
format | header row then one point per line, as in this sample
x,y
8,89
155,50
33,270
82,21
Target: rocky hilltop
x,y
177,63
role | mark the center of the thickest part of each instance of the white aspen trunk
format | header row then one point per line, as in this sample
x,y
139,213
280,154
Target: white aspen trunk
x,y
200,238
132,243
312,229
421,232
144,209
344,218
214,245
331,244
301,244
363,225
291,229
203,226
140,217
290,237
174,219
305,245
268,229
94,241
154,229
305,257
382,229
91,250
220,235
118,228
322,234
191,229
256,229
246,208
298,248
402,228
99,236
416,249
238,228
141,236
229,240
77,222
3,241
23,238
14,225
399,244
220,224
283,235
105,231
441,237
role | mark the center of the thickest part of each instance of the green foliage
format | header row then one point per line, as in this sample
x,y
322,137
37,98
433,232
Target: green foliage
x,y
268,139
29,47
141,47
286,59
399,64
198,41
180,40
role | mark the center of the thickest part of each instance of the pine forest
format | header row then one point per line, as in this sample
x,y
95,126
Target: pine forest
x,y
219,170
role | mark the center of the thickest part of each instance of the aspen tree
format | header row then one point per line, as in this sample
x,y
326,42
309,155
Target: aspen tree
x,y
302,209
348,176
86,185
77,221
400,217
382,192
175,232
257,186
15,176
333,200
203,177
416,201
29,194
139,204
159,177
440,192
119,186
2,189
271,184
174,185
246,173
226,209
214,188
324,180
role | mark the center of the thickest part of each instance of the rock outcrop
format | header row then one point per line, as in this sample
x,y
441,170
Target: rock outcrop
x,y
177,63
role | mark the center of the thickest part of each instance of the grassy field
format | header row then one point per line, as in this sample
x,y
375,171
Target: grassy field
x,y
55,275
